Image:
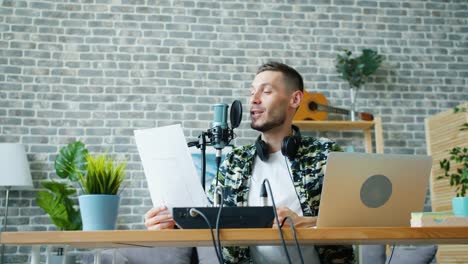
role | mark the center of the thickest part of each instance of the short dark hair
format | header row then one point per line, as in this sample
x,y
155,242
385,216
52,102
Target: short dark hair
x,y
292,78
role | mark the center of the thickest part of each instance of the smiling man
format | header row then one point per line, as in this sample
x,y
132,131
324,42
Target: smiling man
x,y
294,166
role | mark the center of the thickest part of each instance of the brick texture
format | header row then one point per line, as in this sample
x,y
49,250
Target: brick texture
x,y
96,70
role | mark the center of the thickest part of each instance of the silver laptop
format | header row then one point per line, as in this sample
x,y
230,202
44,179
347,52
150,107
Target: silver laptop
x,y
373,189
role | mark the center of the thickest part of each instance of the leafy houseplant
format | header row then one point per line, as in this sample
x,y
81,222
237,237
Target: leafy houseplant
x,y
95,175
356,70
57,203
459,177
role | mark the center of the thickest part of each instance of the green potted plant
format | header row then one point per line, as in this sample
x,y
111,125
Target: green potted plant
x,y
100,200
99,179
356,70
459,176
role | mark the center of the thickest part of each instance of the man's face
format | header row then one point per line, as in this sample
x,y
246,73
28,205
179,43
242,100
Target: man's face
x,y
269,101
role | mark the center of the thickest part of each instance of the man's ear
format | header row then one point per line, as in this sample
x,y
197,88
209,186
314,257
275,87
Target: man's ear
x,y
296,99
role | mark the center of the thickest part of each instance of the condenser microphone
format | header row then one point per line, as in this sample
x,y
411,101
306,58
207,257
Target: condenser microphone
x,y
220,133
220,129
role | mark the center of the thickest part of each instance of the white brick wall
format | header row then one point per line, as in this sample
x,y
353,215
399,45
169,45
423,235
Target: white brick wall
x,y
96,70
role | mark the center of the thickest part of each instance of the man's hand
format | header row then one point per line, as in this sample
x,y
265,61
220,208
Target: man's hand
x,y
299,221
159,218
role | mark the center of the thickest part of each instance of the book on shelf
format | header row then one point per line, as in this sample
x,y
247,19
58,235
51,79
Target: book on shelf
x,y
420,219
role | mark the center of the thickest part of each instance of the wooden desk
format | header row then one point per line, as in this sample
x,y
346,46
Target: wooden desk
x,y
202,237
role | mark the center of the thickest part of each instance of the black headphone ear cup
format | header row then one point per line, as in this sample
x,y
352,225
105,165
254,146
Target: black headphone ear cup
x,y
289,147
262,149
297,134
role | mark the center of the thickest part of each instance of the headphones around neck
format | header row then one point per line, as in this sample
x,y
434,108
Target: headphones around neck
x,y
289,146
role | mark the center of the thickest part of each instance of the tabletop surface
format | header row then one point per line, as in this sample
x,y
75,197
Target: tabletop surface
x,y
254,236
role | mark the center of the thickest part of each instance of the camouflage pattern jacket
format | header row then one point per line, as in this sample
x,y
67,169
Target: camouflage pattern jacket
x,y
307,170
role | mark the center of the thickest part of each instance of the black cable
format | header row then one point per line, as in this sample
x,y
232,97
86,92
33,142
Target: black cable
x,y
217,222
211,231
277,221
293,229
221,202
291,221
391,254
218,217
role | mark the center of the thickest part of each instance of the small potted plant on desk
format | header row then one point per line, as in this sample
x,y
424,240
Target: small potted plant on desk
x,y
459,176
99,179
100,200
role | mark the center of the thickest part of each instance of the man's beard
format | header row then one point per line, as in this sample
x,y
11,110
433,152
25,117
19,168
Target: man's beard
x,y
275,121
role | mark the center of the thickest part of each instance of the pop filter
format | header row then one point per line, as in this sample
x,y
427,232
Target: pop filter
x,y
236,114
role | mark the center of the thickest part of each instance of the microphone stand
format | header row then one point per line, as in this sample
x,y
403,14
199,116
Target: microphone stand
x,y
201,144
218,163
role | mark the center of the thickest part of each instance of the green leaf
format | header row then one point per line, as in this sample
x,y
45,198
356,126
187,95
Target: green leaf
x,y
458,173
103,175
357,70
370,60
464,127
71,162
445,165
59,206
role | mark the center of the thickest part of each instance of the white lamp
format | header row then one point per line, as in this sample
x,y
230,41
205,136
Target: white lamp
x,y
14,174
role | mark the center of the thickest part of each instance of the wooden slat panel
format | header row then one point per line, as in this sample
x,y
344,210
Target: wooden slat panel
x,y
451,254
442,134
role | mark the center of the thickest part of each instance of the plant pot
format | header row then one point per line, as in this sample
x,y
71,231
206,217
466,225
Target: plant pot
x,y
460,206
99,211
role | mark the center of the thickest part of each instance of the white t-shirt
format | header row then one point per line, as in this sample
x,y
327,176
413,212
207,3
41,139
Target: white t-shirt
x,y
275,169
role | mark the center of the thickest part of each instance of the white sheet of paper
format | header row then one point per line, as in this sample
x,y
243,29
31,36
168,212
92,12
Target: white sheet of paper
x,y
169,170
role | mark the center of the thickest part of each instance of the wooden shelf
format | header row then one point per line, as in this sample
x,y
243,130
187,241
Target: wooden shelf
x,y
365,126
264,236
333,125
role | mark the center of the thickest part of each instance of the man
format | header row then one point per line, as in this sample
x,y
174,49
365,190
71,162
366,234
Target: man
x,y
296,178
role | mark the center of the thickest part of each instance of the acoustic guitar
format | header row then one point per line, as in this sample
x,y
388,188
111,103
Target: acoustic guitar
x,y
314,106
